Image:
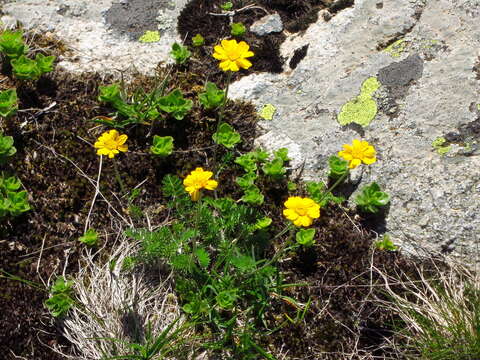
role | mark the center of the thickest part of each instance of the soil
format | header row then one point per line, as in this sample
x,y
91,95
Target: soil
x,y
53,145
296,16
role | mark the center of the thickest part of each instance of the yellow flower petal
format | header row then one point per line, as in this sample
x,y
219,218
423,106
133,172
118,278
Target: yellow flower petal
x,y
345,155
244,63
369,160
354,163
290,214
233,66
211,185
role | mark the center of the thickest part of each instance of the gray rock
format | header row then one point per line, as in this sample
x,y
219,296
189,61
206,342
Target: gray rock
x,y
94,45
427,92
267,25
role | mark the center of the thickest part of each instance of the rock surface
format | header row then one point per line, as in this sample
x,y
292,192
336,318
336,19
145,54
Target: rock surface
x,y
100,32
430,89
424,53
267,25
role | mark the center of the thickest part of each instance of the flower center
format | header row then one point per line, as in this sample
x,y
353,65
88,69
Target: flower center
x,y
357,153
301,211
233,55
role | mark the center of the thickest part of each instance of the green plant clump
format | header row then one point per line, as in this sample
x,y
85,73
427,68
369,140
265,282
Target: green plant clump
x,y
12,201
162,145
6,148
175,104
237,29
216,250
60,300
90,238
8,103
198,40
28,69
371,198
226,136
212,98
143,108
180,53
12,45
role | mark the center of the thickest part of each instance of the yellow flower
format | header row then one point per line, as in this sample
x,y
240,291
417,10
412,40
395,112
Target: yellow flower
x,y
197,180
301,211
358,152
232,55
111,143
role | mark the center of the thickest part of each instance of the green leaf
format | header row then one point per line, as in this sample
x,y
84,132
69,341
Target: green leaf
x,y
182,262
213,97
10,184
162,146
175,104
8,102
305,237
282,153
180,53
338,167
6,148
18,203
198,40
248,162
246,181
260,155
226,136
371,198
172,186
253,196
25,68
386,244
274,168
227,6
291,186
263,223
244,263
110,94
90,238
267,112
12,45
315,190
237,29
226,298
60,300
44,63
203,257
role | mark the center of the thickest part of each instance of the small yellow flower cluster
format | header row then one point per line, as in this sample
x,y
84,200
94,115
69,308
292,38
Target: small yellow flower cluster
x,y
232,55
358,152
199,179
301,211
110,143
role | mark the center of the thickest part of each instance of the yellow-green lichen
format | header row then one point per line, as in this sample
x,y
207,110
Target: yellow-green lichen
x,y
478,106
439,145
396,49
150,36
267,112
363,109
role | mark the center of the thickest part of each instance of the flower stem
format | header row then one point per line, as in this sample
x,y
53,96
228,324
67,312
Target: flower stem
x,y
222,109
339,181
119,179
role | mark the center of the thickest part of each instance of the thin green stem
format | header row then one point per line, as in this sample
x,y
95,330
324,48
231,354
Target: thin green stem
x,y
339,181
225,99
119,179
